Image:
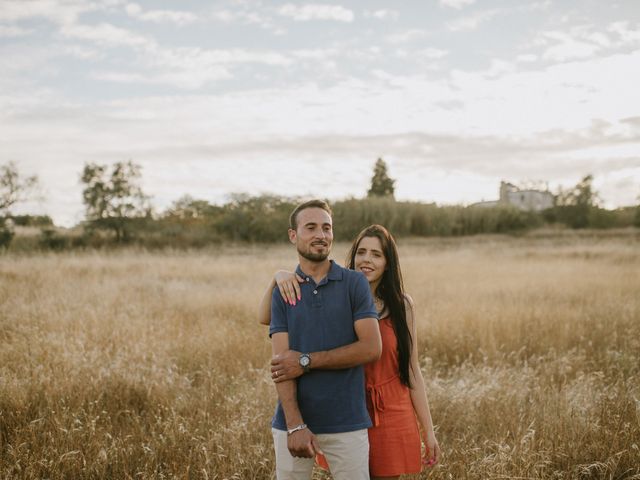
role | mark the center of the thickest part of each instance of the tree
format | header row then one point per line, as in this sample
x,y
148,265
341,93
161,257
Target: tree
x,y
113,199
381,183
13,189
581,195
188,208
577,204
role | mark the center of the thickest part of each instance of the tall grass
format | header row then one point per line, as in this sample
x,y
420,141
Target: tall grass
x,y
151,365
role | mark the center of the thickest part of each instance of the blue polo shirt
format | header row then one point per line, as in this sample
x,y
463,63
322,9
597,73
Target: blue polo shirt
x,y
331,401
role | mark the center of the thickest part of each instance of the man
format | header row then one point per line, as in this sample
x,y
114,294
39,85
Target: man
x,y
319,346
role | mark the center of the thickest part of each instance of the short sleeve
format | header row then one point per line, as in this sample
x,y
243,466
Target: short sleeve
x,y
362,301
278,314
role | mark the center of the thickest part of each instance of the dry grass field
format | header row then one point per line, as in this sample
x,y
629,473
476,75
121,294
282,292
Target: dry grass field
x,y
151,365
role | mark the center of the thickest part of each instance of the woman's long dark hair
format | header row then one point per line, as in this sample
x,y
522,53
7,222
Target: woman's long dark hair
x,y
391,291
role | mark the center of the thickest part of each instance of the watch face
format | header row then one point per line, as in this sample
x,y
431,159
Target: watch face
x,y
304,361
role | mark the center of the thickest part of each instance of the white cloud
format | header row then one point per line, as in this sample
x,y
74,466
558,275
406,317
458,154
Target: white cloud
x,y
13,31
312,11
315,54
457,4
245,17
65,12
434,53
193,57
586,41
626,35
187,79
407,36
107,34
187,68
192,68
82,52
566,47
160,16
527,57
471,22
383,14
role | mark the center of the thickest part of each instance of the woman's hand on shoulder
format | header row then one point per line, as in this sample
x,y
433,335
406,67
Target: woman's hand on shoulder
x,y
289,285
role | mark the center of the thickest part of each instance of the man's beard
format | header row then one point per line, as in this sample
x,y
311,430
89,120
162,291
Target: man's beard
x,y
315,257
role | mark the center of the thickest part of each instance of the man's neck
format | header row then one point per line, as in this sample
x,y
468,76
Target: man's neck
x,y
316,270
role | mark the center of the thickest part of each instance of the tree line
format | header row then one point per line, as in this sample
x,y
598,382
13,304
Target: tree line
x,y
118,212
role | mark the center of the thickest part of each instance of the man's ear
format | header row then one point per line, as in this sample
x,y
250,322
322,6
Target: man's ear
x,y
292,235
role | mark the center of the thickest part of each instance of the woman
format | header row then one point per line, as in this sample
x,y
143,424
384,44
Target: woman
x,y
396,395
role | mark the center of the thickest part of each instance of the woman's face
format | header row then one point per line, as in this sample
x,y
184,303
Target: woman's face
x,y
370,259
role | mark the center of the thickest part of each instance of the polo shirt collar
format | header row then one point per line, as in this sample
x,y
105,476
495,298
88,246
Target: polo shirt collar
x,y
335,272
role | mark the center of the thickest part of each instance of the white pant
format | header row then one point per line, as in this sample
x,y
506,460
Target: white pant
x,y
347,455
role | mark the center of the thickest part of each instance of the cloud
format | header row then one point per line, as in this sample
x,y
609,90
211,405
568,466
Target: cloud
x,y
188,80
457,4
569,49
471,22
190,56
107,34
13,31
382,14
586,41
192,68
160,16
246,17
312,11
407,36
182,67
55,11
434,53
527,57
625,35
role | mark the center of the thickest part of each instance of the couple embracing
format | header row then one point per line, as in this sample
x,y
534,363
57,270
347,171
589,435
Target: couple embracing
x,y
345,359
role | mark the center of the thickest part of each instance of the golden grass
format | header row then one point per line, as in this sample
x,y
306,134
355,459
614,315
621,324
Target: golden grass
x,y
149,365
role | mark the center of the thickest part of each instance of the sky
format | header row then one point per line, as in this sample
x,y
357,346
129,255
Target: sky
x,y
291,98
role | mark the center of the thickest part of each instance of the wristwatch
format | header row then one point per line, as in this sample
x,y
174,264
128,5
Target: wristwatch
x,y
305,362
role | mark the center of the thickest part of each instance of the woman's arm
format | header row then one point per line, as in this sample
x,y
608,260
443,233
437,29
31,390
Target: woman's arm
x,y
264,309
289,285
418,392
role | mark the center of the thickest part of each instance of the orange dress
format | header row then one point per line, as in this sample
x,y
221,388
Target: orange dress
x,y
394,438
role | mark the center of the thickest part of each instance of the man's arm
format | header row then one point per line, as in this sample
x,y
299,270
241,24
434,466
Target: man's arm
x,y
367,348
302,443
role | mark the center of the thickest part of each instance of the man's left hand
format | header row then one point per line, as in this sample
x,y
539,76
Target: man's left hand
x,y
286,366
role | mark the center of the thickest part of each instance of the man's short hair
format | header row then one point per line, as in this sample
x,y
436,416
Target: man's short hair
x,y
293,218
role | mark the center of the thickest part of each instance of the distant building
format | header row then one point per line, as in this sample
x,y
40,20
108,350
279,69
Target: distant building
x,y
525,199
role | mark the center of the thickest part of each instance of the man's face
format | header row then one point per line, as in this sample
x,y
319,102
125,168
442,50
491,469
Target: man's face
x,y
314,235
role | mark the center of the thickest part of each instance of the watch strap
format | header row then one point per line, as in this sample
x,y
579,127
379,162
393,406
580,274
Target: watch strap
x,y
305,368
